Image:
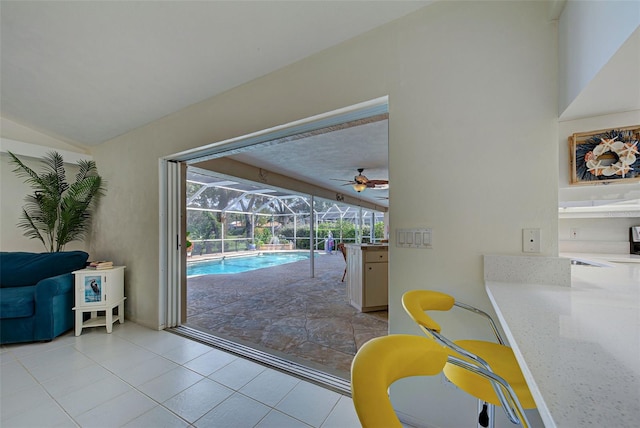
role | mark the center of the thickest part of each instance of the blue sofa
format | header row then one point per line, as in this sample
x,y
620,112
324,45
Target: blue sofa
x,y
36,294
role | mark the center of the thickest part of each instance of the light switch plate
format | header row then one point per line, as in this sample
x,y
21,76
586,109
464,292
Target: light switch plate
x,y
414,238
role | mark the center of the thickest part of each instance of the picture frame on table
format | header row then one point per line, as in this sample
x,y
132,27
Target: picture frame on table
x,y
93,289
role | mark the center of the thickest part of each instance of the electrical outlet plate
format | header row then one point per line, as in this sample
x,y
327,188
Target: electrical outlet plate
x,y
531,240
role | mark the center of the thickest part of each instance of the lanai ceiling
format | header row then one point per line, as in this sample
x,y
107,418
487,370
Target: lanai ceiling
x,y
322,160
330,158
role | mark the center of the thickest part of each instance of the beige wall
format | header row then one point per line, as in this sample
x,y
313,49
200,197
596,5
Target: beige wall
x,y
18,132
473,154
13,189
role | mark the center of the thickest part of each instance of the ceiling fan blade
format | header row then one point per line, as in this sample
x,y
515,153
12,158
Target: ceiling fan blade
x,y
377,182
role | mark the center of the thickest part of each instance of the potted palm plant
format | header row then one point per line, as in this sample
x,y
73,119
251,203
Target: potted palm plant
x,y
189,245
58,212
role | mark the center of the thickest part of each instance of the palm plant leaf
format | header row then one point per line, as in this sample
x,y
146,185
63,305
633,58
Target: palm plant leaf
x,y
76,208
87,168
58,212
32,226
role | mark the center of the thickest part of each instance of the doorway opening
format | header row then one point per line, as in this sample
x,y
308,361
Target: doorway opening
x,y
287,310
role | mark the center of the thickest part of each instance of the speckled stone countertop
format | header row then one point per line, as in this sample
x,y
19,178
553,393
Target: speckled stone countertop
x,y
578,346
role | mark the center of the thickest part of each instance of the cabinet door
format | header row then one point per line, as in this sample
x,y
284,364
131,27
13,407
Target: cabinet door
x,y
114,279
376,292
92,289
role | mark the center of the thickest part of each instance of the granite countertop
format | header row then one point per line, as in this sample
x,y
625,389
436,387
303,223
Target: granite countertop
x,y
578,346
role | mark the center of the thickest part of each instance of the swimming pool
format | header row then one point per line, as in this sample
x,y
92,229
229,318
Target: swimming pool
x,y
243,264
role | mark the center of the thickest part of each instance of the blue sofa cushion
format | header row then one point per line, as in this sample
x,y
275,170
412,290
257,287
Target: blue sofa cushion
x,y
18,269
17,302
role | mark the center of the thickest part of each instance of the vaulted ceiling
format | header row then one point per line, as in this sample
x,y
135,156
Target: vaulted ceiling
x,y
86,72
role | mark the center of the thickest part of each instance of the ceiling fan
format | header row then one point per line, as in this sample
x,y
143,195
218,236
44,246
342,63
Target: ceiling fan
x,y
361,182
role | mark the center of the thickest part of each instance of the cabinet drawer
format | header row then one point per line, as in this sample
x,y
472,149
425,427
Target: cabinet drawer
x,y
376,256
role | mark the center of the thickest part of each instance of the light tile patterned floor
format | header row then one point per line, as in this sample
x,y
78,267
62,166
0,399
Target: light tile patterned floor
x,y
138,377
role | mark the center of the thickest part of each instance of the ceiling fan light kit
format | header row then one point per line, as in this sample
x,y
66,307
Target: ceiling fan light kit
x,y
360,181
359,187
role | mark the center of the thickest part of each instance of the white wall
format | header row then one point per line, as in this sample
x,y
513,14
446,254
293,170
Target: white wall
x,y
590,33
472,154
612,191
596,235
587,59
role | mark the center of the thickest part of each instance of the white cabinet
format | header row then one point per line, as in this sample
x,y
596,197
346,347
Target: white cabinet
x,y
367,277
98,292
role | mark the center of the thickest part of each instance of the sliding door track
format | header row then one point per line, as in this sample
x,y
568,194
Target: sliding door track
x,y
326,380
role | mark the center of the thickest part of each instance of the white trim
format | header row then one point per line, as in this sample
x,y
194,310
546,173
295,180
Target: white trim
x,y
36,151
163,247
169,251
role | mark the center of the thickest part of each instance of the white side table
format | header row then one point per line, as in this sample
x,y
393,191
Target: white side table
x,y
99,290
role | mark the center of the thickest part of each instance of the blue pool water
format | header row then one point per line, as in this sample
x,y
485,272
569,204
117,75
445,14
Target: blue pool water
x,y
243,264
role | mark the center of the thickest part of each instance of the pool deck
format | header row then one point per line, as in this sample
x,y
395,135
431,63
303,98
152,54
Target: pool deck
x,y
283,311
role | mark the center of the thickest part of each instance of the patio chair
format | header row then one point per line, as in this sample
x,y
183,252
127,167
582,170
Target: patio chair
x,y
343,250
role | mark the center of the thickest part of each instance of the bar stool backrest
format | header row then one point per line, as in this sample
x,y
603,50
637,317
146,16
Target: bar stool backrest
x,y
382,361
416,302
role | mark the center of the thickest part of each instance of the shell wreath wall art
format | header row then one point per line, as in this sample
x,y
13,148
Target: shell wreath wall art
x,y
605,156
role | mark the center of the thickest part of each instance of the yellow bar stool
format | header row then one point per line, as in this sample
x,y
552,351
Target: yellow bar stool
x,y
382,361
486,370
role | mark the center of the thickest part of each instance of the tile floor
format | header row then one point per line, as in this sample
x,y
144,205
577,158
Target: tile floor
x,y
138,377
